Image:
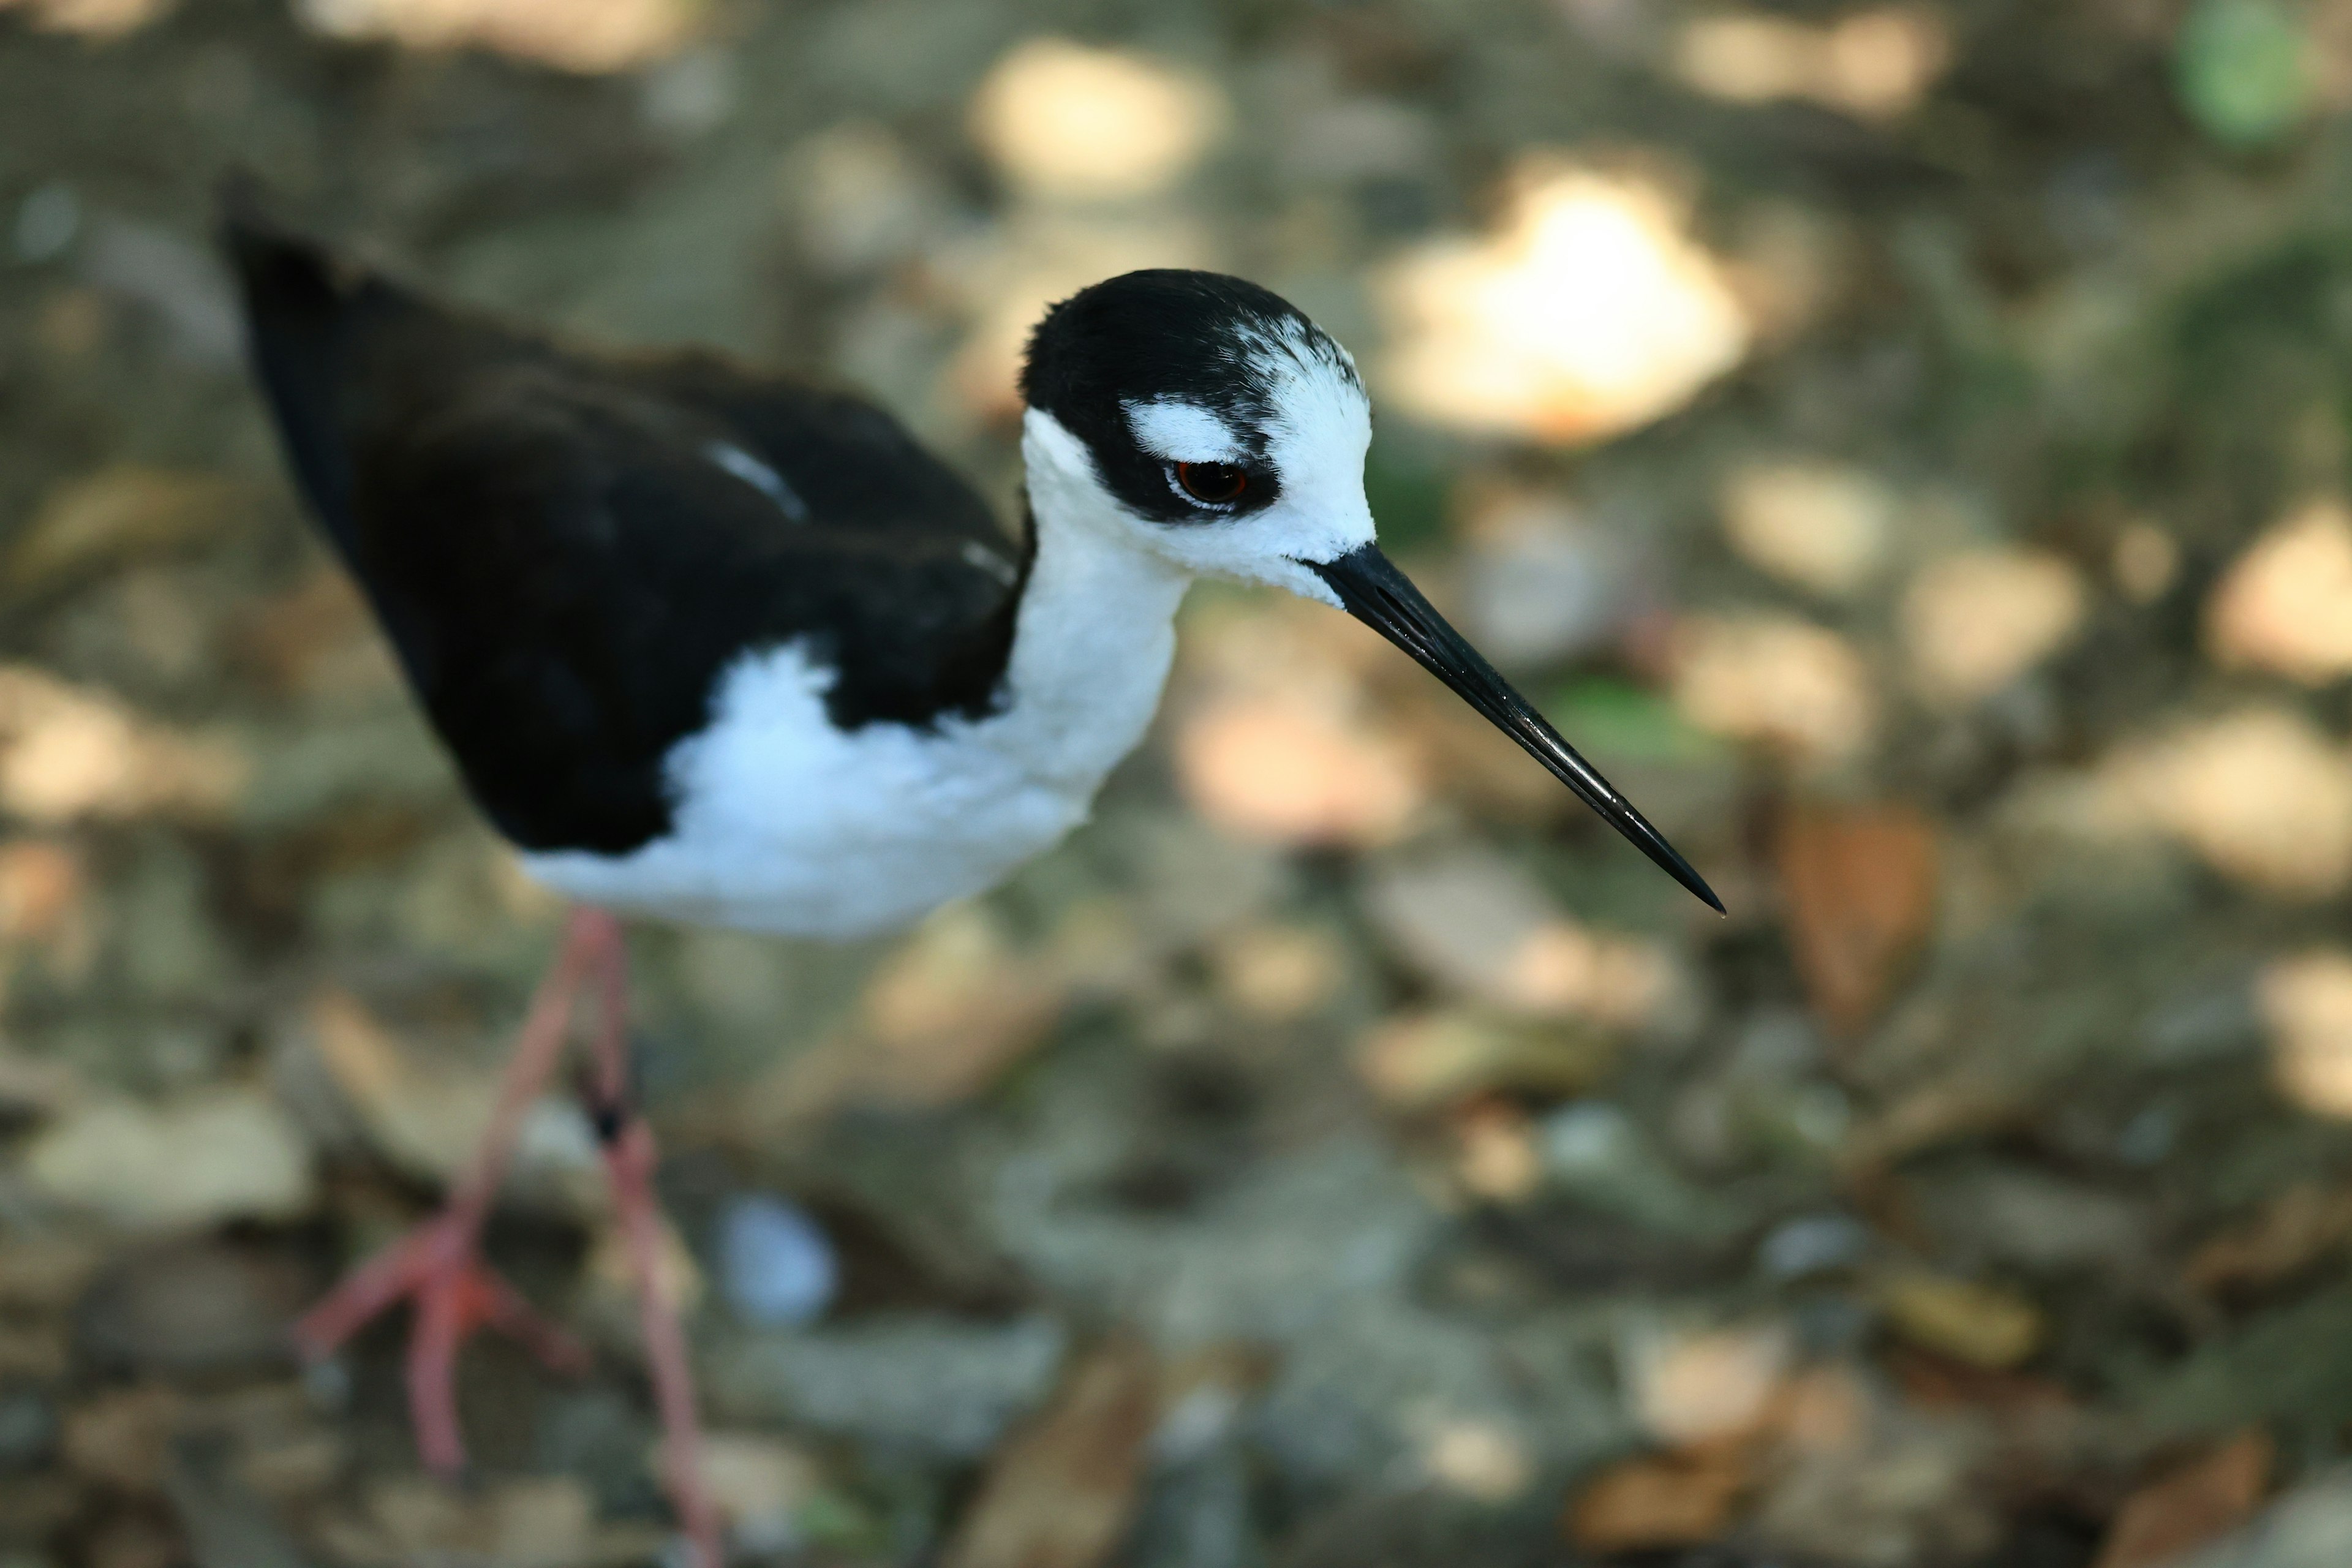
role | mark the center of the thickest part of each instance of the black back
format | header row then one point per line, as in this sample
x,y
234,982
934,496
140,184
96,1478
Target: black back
x,y
563,568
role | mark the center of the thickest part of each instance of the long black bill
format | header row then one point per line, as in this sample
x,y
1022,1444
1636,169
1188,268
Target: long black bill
x,y
1383,598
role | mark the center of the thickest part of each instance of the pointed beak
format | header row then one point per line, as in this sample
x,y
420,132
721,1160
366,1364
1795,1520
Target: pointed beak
x,y
1380,597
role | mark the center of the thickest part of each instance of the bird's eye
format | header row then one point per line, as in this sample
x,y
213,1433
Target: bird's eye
x,y
1212,484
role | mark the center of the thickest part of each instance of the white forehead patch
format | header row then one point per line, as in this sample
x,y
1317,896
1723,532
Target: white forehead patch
x,y
1182,432
1321,420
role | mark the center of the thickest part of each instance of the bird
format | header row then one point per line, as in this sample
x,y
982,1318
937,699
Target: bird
x,y
720,645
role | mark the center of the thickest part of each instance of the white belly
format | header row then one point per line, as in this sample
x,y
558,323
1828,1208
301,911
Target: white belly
x,y
783,824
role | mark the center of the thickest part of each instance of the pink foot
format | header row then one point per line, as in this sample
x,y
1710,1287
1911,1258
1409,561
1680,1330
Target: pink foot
x,y
439,1268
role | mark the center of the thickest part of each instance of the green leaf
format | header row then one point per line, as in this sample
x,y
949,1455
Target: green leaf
x,y
2244,71
1614,718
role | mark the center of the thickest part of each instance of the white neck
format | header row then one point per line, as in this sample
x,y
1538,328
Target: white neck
x,y
1095,630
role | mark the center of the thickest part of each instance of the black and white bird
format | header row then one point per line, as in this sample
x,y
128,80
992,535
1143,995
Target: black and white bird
x,y
718,646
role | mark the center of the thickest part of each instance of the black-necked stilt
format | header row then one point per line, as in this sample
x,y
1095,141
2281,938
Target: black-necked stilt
x,y
727,647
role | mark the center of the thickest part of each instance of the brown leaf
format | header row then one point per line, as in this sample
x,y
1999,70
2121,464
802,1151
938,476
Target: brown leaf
x,y
89,524
944,1016
1860,884
1980,1325
1059,1494
1660,1499
2186,1508
2293,1231
120,1439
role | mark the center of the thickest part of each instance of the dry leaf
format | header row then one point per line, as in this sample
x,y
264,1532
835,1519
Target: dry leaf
x,y
944,1019
1285,769
1660,1501
2184,1508
93,522
1690,1389
210,1155
2293,1230
2286,605
121,1438
68,751
1983,1325
1062,120
1418,1060
1860,884
1778,681
1975,623
1059,1494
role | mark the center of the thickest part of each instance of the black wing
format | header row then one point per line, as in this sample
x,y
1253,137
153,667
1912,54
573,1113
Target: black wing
x,y
566,551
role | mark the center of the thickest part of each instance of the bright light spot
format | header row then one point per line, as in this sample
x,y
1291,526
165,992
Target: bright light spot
x,y
1478,1459
1279,974
1293,771
1497,1158
1975,623
2306,1003
1590,311
1821,526
68,752
1686,1388
1475,920
1777,681
585,36
1064,120
2286,606
2262,794
1875,64
1037,258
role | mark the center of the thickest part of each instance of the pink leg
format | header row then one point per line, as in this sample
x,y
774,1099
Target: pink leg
x,y
436,1265
629,1161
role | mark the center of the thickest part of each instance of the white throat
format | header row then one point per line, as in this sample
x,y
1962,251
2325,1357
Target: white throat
x,y
1096,627
783,822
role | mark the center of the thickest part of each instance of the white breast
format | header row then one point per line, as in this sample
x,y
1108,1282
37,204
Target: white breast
x,y
781,823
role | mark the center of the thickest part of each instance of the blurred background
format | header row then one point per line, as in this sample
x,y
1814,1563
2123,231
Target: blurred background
x,y
1906,445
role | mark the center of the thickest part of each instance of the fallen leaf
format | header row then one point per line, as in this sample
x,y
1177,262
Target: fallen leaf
x,y
945,1015
1060,1493
1779,681
545,1521
1821,526
1286,770
1983,1325
1690,1389
213,1155
1860,884
92,523
2305,1002
1477,921
1589,311
1419,1060
2286,605
1660,1501
2291,1231
2183,1508
1935,1381
1975,623
1066,121
1481,1459
69,752
121,1438
427,1113
758,1483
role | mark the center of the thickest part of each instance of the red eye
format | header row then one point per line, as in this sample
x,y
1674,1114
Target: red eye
x,y
1213,484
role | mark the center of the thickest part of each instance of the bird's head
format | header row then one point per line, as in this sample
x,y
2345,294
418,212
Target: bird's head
x,y
1213,425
